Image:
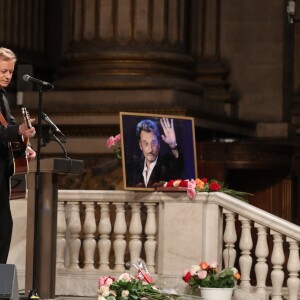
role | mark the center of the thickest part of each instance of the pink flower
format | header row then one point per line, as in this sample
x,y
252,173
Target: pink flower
x,y
191,184
104,280
101,281
202,274
113,140
109,280
110,142
191,193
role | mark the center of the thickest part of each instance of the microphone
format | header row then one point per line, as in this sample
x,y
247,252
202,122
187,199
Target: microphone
x,y
28,78
52,125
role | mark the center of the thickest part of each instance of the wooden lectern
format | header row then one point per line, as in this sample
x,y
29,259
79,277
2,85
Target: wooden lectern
x,y
45,260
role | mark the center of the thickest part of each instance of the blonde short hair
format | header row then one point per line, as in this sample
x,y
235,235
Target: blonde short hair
x,y
7,54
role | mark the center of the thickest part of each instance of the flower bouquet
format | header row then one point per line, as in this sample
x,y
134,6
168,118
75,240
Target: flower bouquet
x,y
127,287
203,185
209,276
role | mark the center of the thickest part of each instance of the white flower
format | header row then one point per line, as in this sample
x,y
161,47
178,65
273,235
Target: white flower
x,y
101,298
214,265
103,290
125,293
194,269
176,183
234,270
125,277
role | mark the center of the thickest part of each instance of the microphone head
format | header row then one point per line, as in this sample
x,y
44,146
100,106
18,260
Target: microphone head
x,y
26,77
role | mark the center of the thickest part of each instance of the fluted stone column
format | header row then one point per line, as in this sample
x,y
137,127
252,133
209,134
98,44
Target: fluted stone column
x,y
21,25
29,28
205,46
129,44
124,55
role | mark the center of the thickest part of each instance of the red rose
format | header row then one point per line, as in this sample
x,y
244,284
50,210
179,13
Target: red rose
x,y
214,186
183,183
187,277
204,180
170,183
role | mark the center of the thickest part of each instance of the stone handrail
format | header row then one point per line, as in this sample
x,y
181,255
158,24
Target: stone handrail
x,y
285,237
257,215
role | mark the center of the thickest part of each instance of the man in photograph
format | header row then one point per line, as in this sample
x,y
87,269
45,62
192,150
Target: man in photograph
x,y
152,167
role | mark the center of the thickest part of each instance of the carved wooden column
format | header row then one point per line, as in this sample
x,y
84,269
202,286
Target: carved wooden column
x,y
129,44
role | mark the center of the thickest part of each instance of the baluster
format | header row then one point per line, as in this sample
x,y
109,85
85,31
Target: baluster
x,y
245,260
150,231
135,230
89,243
293,267
261,267
74,229
104,244
277,259
230,237
61,236
120,243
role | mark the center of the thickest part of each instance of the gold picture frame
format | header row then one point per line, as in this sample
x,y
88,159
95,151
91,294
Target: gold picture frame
x,y
166,166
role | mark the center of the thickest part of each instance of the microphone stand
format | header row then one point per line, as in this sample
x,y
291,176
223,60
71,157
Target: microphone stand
x,y
33,293
55,138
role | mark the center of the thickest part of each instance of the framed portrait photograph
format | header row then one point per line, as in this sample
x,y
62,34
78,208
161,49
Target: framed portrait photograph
x,y
156,149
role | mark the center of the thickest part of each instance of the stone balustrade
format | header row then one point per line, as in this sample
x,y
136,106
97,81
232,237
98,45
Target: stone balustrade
x,y
99,231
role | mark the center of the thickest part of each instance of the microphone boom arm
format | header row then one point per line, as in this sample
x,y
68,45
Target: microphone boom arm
x,y
52,134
